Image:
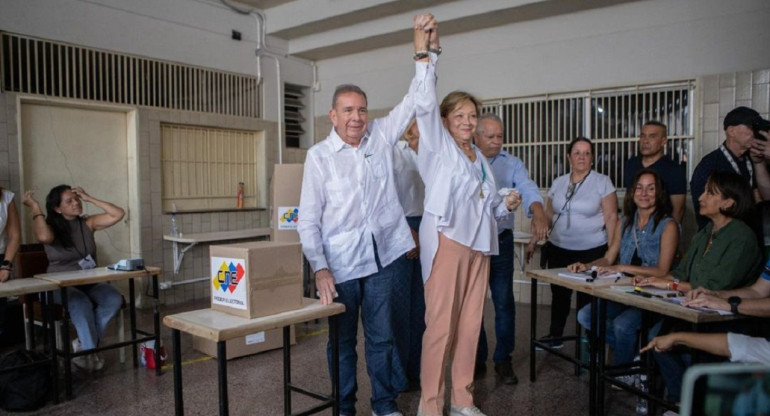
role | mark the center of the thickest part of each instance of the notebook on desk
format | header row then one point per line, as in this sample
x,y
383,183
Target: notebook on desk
x,y
726,389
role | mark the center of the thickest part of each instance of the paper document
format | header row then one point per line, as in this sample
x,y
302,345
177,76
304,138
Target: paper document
x,y
678,300
590,275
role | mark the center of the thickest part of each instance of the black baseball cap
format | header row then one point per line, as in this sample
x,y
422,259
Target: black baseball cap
x,y
741,115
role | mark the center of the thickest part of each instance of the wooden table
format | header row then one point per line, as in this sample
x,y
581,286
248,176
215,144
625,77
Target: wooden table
x,y
552,276
650,305
192,239
101,275
219,327
32,286
602,289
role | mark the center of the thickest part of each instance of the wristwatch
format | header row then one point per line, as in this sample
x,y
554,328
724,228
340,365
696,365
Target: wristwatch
x,y
675,284
6,264
734,301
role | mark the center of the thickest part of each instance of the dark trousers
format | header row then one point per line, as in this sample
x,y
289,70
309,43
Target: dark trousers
x,y
408,319
561,298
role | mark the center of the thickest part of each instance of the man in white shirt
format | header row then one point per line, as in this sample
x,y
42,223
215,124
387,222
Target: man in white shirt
x,y
509,172
354,233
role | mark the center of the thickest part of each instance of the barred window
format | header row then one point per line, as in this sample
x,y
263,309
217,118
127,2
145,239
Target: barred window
x,y
203,168
538,129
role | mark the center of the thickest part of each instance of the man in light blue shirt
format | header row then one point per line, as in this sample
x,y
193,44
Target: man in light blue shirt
x,y
509,172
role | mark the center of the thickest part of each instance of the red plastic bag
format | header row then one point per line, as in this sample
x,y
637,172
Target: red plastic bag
x,y
147,355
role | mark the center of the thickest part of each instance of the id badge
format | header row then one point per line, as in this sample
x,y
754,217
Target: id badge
x,y
87,263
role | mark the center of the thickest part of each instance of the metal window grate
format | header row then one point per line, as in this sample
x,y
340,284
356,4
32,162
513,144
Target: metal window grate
x,y
538,129
202,167
43,67
293,111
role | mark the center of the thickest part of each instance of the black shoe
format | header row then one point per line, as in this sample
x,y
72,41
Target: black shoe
x,y
479,371
505,373
550,342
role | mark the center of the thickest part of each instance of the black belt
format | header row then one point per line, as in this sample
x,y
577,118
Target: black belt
x,y
507,232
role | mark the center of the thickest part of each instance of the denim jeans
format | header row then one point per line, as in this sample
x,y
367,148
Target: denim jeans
x,y
408,319
371,297
623,323
91,307
501,285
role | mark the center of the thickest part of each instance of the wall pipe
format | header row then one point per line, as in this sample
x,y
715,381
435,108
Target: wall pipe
x,y
262,50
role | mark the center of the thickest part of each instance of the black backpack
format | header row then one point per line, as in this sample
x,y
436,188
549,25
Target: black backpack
x,y
26,388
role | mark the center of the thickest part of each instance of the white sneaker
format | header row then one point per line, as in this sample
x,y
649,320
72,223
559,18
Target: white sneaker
x,y
465,411
83,362
420,412
76,345
396,413
97,361
627,379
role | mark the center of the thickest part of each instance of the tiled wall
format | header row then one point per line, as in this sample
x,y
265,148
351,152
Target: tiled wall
x,y
721,93
157,223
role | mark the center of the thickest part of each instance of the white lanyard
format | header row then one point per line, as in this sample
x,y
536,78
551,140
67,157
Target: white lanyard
x,y
749,167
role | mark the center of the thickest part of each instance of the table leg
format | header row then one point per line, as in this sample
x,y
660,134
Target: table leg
x,y
30,321
532,327
601,325
593,346
335,341
222,367
132,318
286,370
50,337
156,322
66,345
178,400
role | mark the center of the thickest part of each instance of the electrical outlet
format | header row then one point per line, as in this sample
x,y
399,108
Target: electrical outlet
x,y
236,35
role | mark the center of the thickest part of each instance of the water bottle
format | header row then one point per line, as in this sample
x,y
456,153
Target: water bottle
x,y
174,228
641,402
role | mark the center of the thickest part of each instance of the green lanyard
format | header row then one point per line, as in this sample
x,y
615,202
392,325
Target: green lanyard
x,y
483,179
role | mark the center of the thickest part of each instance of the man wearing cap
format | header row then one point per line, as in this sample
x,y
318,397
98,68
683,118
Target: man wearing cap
x,y
734,154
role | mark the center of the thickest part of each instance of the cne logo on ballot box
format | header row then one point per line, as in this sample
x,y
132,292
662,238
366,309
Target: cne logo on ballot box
x,y
227,275
288,218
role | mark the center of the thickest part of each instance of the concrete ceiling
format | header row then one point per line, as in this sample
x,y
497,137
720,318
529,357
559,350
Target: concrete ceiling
x,y
323,29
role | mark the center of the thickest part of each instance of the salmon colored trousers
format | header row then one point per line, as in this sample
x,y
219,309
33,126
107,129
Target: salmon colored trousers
x,y
454,305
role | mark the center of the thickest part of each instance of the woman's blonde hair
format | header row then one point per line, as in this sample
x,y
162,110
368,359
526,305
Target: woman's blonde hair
x,y
457,98
408,132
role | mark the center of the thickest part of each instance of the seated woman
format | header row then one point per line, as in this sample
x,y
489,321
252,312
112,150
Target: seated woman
x,y
646,245
69,244
723,255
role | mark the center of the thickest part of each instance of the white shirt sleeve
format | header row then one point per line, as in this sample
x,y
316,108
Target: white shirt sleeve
x,y
746,349
311,208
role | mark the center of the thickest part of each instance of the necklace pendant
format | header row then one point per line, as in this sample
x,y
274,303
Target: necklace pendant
x,y
481,194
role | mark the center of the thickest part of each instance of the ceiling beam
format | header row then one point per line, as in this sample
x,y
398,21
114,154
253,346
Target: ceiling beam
x,y
394,29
